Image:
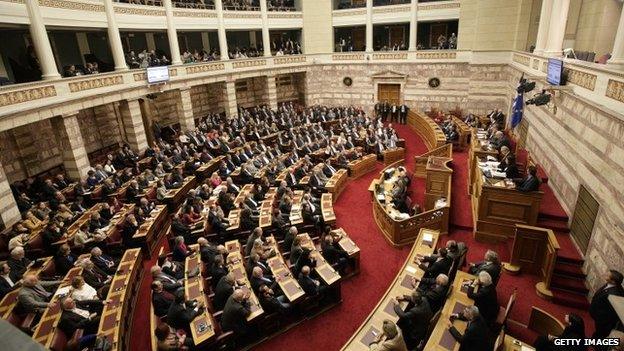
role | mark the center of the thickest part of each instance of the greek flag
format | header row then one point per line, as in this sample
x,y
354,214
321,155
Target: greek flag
x,y
517,108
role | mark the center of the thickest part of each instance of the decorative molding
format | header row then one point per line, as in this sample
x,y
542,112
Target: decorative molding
x,y
72,5
392,9
436,55
438,6
284,15
545,66
140,76
248,63
582,79
349,13
523,60
26,95
536,64
196,13
239,15
289,59
390,56
615,90
347,57
126,10
95,83
208,67
14,1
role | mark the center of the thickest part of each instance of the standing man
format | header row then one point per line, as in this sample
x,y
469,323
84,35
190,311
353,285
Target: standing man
x,y
395,113
600,310
385,111
403,113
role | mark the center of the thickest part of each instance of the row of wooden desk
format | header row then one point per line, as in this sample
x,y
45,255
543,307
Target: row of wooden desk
x,y
9,301
336,183
202,327
237,268
362,166
431,133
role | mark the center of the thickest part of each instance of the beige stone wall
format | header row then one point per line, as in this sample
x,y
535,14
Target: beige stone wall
x,y
252,92
476,88
583,145
318,32
100,127
494,24
164,108
597,25
207,98
290,87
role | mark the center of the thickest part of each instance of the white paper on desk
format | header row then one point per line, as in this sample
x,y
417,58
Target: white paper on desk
x,y
427,238
491,158
63,291
410,269
499,174
493,164
526,348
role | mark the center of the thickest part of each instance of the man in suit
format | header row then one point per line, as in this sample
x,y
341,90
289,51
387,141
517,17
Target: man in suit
x,y
403,113
390,340
490,264
18,263
181,313
394,110
208,251
223,291
415,319
437,265
161,299
530,182
485,297
6,283
235,313
33,296
74,318
436,294
169,283
328,169
600,309
95,277
258,278
103,262
310,286
477,336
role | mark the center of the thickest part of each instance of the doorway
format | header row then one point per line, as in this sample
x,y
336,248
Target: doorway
x,y
390,93
583,219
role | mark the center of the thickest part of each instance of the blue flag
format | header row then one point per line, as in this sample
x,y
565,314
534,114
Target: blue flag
x,y
517,108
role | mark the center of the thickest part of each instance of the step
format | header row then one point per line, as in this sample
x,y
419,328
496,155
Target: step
x,y
565,269
567,249
564,298
573,285
554,225
552,216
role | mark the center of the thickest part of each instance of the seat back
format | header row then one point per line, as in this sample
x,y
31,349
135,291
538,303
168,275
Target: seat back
x,y
543,322
510,304
499,344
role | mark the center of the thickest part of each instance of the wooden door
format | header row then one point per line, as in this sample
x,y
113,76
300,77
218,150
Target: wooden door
x,y
584,218
390,93
359,39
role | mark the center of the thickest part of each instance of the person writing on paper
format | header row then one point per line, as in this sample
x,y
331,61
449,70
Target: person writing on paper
x,y
477,335
391,339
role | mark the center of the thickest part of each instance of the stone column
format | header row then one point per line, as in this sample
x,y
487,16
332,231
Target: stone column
x,y
557,27
617,54
83,45
223,45
150,41
230,104
266,38
369,25
413,26
114,39
272,91
75,158
134,129
172,34
41,42
9,213
544,24
187,122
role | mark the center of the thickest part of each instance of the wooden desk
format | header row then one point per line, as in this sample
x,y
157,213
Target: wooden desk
x,y
206,170
148,234
295,210
234,220
362,166
242,193
429,130
45,330
175,197
201,327
402,285
390,156
327,209
336,184
441,339
116,318
464,132
478,149
345,242
266,209
284,278
512,344
9,300
327,273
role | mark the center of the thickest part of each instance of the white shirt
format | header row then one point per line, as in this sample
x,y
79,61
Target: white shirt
x,y
8,279
87,292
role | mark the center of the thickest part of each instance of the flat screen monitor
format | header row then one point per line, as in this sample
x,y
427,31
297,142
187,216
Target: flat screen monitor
x,y
157,74
554,72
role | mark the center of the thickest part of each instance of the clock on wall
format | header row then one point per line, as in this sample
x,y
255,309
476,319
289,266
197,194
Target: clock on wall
x,y
434,82
347,81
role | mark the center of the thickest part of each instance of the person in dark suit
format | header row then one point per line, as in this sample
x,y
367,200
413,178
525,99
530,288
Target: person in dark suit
x,y
485,297
508,165
235,313
575,329
181,312
96,278
440,264
6,283
103,262
161,299
18,263
600,309
169,283
180,251
258,278
530,182
414,321
223,291
208,251
435,294
490,264
64,260
477,335
403,110
310,286
218,269
74,318
334,254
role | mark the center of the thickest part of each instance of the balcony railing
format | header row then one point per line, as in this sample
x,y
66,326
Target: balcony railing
x,y
142,2
390,2
195,4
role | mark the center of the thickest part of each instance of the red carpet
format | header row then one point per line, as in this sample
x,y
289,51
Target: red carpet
x,y
379,265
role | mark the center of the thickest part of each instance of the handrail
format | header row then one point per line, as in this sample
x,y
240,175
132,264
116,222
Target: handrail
x,y
420,168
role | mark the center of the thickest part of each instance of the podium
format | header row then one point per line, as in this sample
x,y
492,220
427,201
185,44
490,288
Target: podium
x,y
391,156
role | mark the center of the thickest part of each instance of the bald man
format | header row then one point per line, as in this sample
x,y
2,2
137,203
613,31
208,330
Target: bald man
x,y
235,313
74,318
